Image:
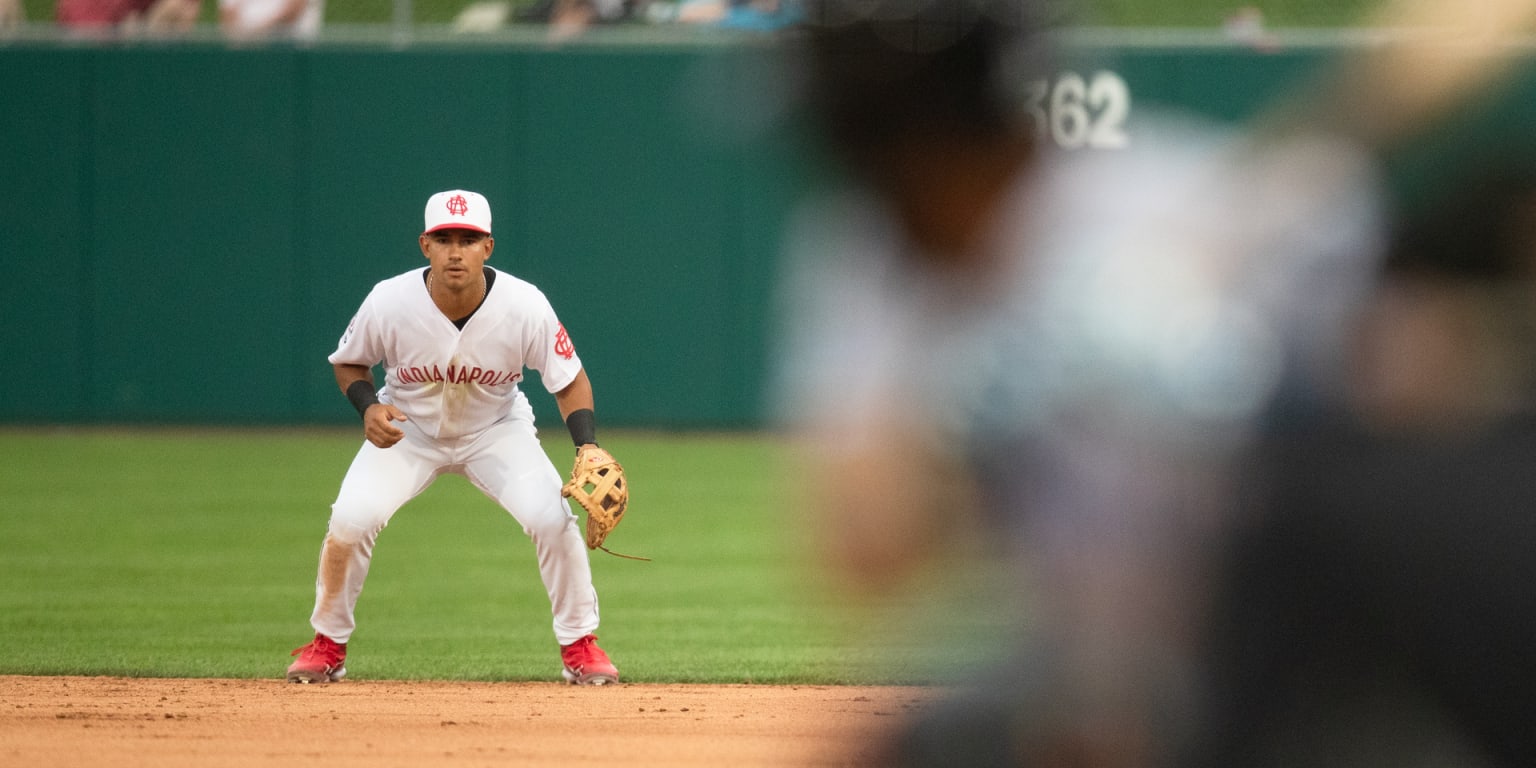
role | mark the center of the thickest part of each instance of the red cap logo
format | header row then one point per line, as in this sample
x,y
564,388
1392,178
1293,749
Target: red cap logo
x,y
457,205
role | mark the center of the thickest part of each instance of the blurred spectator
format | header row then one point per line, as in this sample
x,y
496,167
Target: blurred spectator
x,y
153,16
1246,25
271,18
1072,353
761,15
569,18
12,13
483,16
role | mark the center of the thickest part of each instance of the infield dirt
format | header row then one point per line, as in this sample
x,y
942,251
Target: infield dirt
x,y
128,722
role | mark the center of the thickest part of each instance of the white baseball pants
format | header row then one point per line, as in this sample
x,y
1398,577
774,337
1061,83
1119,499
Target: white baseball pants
x,y
507,463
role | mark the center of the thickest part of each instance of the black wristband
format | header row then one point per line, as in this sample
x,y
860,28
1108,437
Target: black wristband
x,y
583,427
362,394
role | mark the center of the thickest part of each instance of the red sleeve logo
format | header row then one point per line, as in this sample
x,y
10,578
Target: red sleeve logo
x,y
563,345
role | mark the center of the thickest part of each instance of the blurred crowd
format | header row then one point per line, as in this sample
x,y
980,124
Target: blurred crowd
x,y
303,18
765,15
239,19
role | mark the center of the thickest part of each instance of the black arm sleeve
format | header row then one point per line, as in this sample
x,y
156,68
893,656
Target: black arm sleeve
x,y
583,426
362,394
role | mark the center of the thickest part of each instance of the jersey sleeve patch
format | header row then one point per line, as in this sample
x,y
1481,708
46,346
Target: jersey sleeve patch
x,y
563,346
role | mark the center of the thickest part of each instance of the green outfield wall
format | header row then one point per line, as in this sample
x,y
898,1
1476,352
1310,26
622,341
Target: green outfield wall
x,y
188,227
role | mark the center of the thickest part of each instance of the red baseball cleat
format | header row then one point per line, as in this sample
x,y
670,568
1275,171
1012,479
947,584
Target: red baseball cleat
x,y
586,664
322,661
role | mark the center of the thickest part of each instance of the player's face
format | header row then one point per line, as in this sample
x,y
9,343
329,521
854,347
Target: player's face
x,y
457,255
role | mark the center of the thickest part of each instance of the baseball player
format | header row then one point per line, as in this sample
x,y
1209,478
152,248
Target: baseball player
x,y
454,339
1085,346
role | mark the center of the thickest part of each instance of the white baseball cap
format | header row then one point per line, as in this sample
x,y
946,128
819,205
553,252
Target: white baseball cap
x,y
458,209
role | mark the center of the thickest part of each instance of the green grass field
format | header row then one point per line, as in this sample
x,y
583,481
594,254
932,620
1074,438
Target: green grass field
x,y
193,553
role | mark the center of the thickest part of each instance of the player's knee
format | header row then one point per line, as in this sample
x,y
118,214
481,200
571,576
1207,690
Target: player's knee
x,y
347,529
551,524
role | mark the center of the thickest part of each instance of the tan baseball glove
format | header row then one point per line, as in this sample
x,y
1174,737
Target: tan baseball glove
x,y
598,485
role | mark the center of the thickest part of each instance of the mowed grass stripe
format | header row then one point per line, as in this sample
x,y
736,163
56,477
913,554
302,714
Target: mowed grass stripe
x,y
192,553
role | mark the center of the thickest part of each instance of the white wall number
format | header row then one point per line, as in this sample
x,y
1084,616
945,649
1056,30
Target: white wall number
x,y
1078,113
1069,111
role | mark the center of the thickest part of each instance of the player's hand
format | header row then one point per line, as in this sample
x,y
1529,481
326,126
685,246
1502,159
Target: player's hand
x,y
377,427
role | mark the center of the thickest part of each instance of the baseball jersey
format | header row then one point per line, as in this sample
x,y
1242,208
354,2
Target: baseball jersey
x,y
1144,310
1179,279
451,382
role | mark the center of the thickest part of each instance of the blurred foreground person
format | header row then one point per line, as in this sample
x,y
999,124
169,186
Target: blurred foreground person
x,y
1377,605
1073,354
